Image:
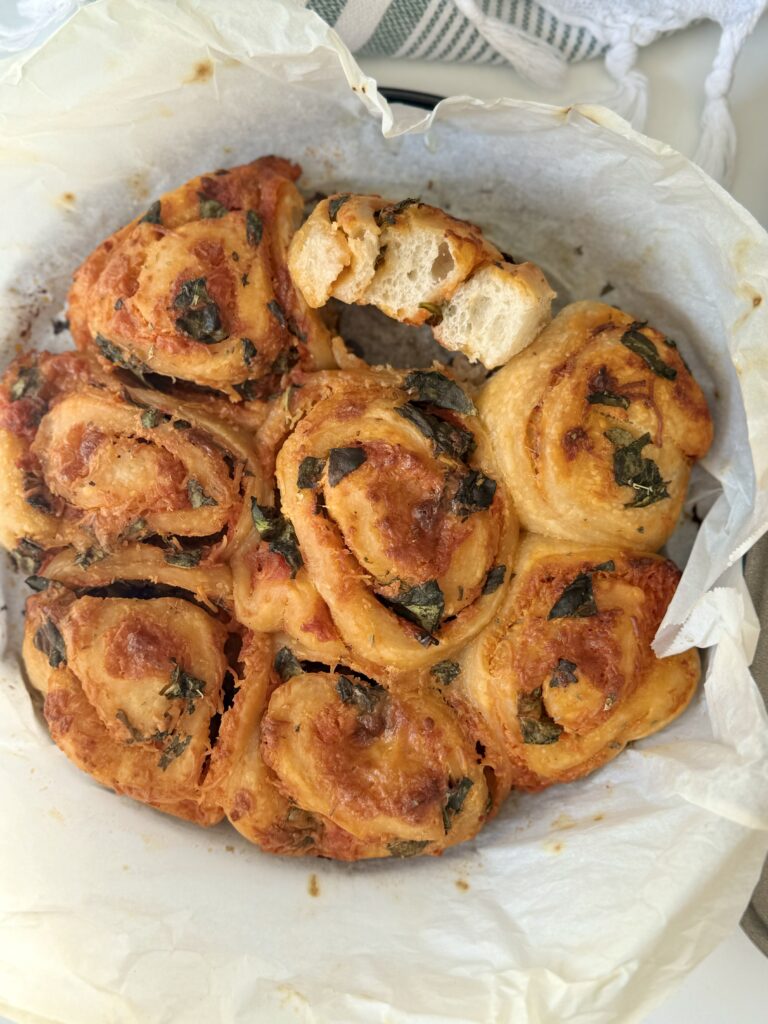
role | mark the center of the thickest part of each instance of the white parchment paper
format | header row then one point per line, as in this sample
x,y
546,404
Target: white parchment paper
x,y
585,903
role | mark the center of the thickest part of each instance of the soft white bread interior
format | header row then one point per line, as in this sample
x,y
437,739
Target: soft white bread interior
x,y
417,264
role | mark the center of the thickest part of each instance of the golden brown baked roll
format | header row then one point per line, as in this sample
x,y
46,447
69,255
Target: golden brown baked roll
x,y
131,687
196,289
390,502
566,672
97,466
419,265
596,426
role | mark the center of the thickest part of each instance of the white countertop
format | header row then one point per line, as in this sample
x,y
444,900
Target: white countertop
x,y
731,984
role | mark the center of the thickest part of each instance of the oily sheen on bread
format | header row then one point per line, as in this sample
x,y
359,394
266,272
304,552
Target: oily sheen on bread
x,y
419,265
274,585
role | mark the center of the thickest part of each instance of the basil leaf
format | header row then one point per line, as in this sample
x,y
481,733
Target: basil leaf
x,y
27,383
49,640
406,847
645,348
310,471
436,389
152,216
210,209
445,672
364,696
37,583
276,310
445,437
115,355
577,601
150,418
454,802
197,496
249,351
187,559
608,398
342,462
183,686
387,215
494,579
632,469
27,556
134,529
475,493
286,664
335,204
254,228
136,734
435,313
201,319
279,534
173,749
536,726
89,556
564,673
423,604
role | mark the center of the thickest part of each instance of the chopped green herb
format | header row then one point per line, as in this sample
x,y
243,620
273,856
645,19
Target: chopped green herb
x,y
115,355
182,425
536,725
310,471
577,601
27,383
276,310
387,215
445,437
457,794
254,228
183,686
335,204
119,303
201,319
287,359
186,559
435,312
197,496
564,673
279,534
136,734
632,469
27,556
244,279
152,216
364,696
86,558
37,583
134,529
407,847
645,348
287,664
494,579
210,208
150,418
423,604
434,388
249,351
173,749
445,672
49,640
608,398
474,494
342,462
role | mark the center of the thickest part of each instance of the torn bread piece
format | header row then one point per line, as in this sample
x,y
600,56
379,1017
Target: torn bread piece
x,y
419,265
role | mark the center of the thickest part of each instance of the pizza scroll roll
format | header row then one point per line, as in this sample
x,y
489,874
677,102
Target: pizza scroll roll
x,y
131,687
391,503
596,426
567,673
196,289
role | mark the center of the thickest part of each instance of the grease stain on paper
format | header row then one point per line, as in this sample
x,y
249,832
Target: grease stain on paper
x,y
201,72
313,886
462,885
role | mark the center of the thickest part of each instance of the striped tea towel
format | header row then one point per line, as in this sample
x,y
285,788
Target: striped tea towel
x,y
539,38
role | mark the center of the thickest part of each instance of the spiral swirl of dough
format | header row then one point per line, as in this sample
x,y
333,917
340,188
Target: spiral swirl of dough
x,y
567,673
596,426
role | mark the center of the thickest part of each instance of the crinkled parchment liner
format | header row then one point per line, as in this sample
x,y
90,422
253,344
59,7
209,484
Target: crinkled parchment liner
x,y
584,903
